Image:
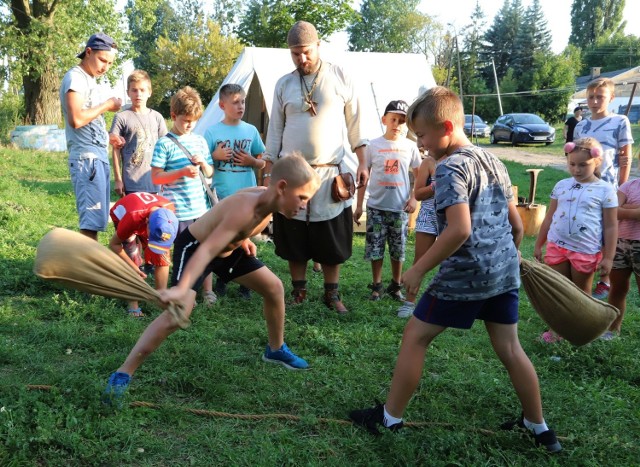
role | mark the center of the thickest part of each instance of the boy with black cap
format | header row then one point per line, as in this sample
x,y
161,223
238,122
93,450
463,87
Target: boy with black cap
x,y
86,133
391,200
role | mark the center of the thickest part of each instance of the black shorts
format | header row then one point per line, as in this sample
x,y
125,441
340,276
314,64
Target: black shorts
x,y
228,268
326,242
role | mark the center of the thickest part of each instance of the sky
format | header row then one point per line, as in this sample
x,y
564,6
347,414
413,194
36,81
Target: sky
x,y
557,14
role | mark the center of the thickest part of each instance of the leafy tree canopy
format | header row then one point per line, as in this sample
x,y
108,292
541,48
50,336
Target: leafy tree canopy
x,y
265,23
41,38
592,20
200,58
387,26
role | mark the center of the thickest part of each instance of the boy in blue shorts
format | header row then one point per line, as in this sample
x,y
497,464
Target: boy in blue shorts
x,y
388,159
236,149
177,171
86,133
480,231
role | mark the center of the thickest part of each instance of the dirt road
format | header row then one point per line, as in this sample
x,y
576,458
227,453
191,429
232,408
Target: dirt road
x,y
522,156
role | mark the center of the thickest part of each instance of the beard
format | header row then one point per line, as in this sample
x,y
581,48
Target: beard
x,y
309,68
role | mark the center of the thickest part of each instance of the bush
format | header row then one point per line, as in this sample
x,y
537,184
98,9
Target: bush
x,y
11,115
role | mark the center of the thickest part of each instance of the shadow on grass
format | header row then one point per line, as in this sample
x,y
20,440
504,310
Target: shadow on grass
x,y
17,278
51,188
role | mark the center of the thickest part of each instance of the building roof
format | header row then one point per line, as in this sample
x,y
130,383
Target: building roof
x,y
624,80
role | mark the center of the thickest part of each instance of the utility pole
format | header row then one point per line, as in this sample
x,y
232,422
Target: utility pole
x,y
495,77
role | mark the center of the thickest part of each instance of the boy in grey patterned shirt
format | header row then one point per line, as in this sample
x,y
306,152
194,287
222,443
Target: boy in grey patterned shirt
x,y
477,250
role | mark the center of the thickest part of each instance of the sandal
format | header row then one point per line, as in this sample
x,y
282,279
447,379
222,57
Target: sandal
x,y
299,295
209,297
395,291
136,313
376,291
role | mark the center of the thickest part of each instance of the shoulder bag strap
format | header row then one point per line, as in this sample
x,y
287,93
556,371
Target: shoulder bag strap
x,y
213,197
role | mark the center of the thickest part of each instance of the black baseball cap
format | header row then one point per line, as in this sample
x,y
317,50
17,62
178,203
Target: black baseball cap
x,y
397,107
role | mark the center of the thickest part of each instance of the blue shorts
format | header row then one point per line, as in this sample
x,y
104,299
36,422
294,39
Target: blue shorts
x,y
502,309
90,180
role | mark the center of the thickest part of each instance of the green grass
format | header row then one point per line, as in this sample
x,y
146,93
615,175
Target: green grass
x,y
73,341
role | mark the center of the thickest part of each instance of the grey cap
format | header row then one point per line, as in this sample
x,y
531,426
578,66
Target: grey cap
x,y
302,34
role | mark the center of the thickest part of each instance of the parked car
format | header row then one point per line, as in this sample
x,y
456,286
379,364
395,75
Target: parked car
x,y
480,127
522,128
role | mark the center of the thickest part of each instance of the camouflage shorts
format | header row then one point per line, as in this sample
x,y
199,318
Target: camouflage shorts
x,y
627,255
386,227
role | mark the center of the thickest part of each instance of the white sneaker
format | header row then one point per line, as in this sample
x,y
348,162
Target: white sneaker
x,y
406,309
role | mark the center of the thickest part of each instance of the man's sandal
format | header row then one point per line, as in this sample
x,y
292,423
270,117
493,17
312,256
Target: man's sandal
x,y
136,313
376,291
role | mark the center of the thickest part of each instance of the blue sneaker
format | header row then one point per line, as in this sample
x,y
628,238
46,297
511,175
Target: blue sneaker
x,y
284,357
116,387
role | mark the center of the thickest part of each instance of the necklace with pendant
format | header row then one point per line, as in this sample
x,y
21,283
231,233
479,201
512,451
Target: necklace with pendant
x,y
308,104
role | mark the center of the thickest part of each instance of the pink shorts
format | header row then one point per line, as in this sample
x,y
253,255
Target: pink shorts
x,y
581,262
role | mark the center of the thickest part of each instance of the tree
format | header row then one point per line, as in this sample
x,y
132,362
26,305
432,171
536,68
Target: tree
x,y
555,76
265,23
470,54
500,39
151,19
434,44
199,57
41,39
386,26
612,54
592,20
533,36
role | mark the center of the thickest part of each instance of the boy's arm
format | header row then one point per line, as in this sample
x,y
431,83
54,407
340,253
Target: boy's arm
x,y
624,161
610,218
412,202
517,229
117,172
244,159
77,117
224,233
544,229
115,244
450,240
160,177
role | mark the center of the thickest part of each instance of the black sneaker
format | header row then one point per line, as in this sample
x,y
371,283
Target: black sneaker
x,y
547,438
220,288
371,418
244,292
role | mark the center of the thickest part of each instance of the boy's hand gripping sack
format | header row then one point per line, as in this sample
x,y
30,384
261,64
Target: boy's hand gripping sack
x,y
343,186
569,311
76,261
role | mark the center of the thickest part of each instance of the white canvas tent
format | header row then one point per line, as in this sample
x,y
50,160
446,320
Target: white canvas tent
x,y
379,78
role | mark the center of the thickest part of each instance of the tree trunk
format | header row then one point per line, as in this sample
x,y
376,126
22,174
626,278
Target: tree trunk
x,y
42,101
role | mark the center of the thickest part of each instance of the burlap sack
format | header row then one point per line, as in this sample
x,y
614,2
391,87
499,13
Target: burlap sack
x,y
76,261
567,310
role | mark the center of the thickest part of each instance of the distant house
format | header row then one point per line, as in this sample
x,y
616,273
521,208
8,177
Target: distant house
x,y
624,80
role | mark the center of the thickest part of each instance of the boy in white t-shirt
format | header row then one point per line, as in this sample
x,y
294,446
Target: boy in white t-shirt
x,y
391,198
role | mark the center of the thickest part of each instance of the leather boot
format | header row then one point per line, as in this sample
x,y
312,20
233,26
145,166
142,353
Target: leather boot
x,y
299,295
332,300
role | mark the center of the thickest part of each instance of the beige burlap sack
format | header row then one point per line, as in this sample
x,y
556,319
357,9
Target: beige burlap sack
x,y
573,314
76,261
